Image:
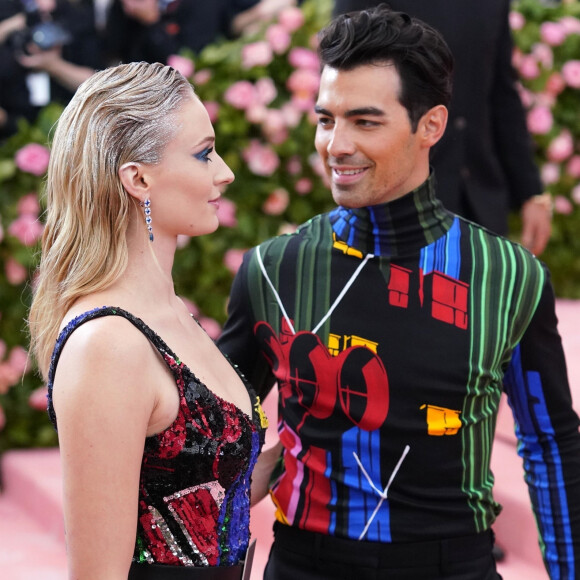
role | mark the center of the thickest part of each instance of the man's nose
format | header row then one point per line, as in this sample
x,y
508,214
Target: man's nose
x,y
340,142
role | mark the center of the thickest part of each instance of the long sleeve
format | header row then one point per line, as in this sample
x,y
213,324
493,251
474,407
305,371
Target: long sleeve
x,y
237,340
538,392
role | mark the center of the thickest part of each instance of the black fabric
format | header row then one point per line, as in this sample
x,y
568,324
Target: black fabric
x,y
159,572
312,556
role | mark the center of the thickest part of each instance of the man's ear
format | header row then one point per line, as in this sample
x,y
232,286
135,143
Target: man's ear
x,y
432,125
133,180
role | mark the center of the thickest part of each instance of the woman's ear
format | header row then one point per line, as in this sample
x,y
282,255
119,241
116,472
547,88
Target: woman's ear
x,y
133,180
432,125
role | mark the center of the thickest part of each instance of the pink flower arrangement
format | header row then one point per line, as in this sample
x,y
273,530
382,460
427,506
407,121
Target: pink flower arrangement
x,y
26,228
181,64
38,398
213,110
550,173
266,90
571,73
552,33
573,167
233,259
15,272
303,186
517,20
291,18
32,158
211,326
540,120
575,195
300,57
563,205
561,147
241,95
279,38
256,54
277,202
227,213
261,159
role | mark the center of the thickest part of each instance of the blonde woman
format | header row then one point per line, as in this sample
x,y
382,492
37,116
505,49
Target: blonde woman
x,y
158,432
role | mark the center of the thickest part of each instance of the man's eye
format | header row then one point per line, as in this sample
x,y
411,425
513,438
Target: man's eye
x,y
323,121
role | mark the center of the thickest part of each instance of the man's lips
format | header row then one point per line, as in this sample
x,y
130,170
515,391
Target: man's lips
x,y
345,175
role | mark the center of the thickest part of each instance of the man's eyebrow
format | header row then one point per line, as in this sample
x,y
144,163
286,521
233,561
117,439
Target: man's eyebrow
x,y
360,112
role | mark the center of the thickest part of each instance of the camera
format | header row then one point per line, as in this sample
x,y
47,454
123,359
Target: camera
x,y
45,35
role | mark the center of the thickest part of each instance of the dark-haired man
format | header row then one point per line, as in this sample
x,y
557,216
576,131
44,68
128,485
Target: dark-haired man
x,y
390,325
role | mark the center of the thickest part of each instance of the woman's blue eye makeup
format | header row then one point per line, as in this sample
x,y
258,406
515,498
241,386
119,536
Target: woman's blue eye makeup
x,y
204,155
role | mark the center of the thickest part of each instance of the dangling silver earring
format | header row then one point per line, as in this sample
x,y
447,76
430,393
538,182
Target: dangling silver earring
x,y
147,211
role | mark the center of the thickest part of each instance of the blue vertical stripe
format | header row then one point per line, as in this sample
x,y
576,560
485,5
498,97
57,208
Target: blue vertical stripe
x,y
543,464
443,255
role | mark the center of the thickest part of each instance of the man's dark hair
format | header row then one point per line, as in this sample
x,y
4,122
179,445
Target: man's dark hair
x,y
380,36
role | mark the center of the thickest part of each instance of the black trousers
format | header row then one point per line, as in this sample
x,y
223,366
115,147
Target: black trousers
x,y
298,554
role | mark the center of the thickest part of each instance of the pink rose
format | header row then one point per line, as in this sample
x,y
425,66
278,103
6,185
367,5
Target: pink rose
x,y
527,97
274,126
2,418
15,272
570,24
181,64
27,228
543,54
573,166
550,173
233,259
540,120
552,33
303,81
561,147
256,114
279,38
517,20
266,90
241,95
555,84
291,18
211,326
261,159
303,102
571,73
277,202
256,54
562,205
28,204
203,76
576,194
528,67
38,399
292,115
303,186
18,359
227,213
32,158
294,165
304,58
213,109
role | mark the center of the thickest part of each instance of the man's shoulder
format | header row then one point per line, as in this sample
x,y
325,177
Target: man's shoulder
x,y
313,229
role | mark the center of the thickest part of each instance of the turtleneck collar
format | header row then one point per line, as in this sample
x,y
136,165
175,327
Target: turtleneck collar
x,y
396,228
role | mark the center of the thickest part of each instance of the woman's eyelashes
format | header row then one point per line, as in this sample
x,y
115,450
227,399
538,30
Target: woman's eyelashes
x,y
204,155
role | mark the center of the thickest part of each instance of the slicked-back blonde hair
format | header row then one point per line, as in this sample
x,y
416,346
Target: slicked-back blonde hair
x,y
121,114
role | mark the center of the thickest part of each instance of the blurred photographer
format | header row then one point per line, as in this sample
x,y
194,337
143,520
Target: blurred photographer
x,y
47,48
153,30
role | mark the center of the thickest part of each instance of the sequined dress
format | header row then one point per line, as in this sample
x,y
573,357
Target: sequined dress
x,y
194,504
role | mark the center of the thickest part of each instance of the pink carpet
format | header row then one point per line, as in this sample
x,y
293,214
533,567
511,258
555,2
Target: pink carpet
x,y
32,536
